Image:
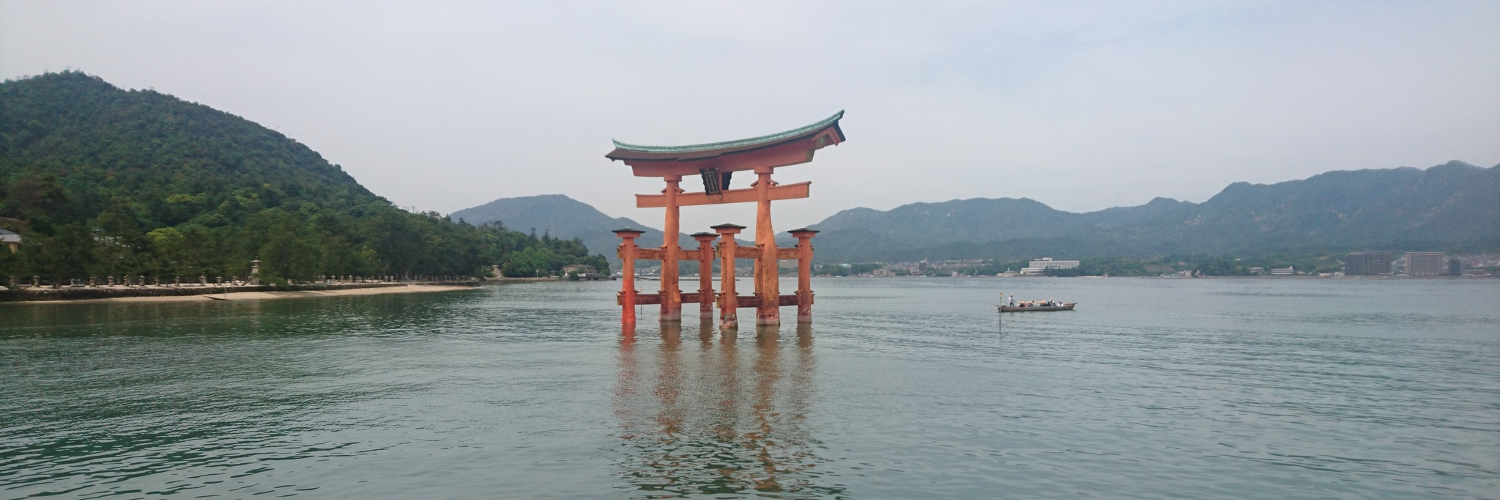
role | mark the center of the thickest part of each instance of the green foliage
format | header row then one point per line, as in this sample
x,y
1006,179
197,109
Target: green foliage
x,y
102,182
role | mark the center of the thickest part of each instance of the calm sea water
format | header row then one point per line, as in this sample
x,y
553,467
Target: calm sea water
x,y
900,389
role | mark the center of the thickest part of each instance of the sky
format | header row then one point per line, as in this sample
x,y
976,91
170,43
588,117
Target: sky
x,y
440,106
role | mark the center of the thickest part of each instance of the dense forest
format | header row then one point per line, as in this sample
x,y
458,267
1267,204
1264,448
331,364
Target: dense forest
x,y
100,181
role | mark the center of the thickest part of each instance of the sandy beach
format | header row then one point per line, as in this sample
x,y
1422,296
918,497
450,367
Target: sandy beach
x,y
238,296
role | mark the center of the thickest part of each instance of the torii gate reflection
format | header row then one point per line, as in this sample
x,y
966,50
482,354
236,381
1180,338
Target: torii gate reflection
x,y
718,417
716,164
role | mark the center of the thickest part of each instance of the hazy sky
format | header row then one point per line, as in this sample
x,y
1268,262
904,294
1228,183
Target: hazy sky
x,y
1081,106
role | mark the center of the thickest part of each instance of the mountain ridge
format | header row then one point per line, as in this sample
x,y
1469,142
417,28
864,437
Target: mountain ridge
x,y
1447,206
1444,207
563,217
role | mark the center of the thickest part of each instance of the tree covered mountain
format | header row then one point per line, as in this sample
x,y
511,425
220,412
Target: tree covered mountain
x,y
1452,207
102,181
563,217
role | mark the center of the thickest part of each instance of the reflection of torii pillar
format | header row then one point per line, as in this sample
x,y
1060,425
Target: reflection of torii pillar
x,y
716,164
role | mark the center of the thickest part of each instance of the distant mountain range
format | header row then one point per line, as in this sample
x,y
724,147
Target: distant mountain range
x,y
1453,207
563,217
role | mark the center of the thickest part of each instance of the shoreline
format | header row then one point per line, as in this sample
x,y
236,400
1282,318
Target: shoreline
x,y
234,296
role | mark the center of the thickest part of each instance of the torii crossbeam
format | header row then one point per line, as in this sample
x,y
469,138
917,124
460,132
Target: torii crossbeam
x,y
716,163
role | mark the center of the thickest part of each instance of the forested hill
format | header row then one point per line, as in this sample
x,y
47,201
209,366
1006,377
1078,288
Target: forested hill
x,y
101,181
1453,207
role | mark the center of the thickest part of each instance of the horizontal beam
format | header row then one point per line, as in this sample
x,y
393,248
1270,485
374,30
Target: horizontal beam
x,y
751,301
683,254
754,253
740,252
655,298
747,195
640,299
742,301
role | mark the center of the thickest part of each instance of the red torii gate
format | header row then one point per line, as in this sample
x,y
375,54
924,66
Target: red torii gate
x,y
716,164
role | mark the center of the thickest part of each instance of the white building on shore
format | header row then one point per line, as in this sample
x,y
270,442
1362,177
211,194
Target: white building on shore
x,y
1040,266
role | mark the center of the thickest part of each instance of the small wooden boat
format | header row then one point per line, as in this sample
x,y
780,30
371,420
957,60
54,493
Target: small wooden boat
x,y
1067,306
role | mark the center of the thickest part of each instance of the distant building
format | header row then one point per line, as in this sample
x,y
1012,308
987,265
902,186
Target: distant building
x,y
1257,270
578,269
1455,267
10,239
1426,264
1048,263
1283,271
1367,264
1040,266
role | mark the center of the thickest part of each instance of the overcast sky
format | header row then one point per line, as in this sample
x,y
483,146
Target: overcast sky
x,y
1082,106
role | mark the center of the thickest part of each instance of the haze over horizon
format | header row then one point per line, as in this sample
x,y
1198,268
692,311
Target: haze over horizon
x,y
1078,106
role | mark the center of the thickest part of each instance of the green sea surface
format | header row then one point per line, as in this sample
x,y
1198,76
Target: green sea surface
x,y
901,388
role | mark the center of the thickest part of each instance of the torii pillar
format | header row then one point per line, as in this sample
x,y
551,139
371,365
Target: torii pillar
x,y
767,265
804,273
705,273
627,273
729,304
716,163
671,295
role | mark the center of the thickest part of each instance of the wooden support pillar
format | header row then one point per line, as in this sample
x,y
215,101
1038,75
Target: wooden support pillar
x,y
728,302
705,274
804,273
671,298
627,274
767,268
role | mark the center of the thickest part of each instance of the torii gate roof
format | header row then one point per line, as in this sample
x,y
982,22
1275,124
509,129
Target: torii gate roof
x,y
774,150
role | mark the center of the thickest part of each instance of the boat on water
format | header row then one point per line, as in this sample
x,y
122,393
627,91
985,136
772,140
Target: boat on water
x,y
1066,306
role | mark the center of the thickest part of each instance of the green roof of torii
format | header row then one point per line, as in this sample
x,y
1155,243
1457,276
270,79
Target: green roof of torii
x,y
741,144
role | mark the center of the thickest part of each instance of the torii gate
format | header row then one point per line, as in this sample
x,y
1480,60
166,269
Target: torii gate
x,y
716,164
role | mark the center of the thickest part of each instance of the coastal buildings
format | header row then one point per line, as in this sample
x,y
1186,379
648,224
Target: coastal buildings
x,y
1426,264
1040,266
1367,264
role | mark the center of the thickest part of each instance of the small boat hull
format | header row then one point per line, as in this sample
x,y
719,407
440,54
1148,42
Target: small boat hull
x,y
1018,309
